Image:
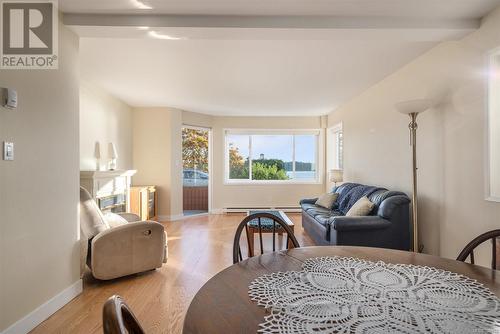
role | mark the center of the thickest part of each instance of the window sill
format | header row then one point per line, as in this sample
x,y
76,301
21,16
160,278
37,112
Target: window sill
x,y
270,182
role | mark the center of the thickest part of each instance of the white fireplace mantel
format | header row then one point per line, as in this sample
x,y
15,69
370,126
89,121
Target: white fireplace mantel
x,y
102,184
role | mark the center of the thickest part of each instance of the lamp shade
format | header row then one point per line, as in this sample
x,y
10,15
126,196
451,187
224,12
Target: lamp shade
x,y
97,151
413,106
113,154
336,175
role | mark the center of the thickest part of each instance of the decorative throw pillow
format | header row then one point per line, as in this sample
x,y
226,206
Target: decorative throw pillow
x,y
362,207
114,220
327,200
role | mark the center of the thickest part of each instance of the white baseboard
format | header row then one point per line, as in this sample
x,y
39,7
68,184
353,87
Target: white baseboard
x,y
45,310
217,211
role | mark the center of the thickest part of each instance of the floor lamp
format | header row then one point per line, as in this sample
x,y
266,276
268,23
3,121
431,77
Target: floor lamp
x,y
412,109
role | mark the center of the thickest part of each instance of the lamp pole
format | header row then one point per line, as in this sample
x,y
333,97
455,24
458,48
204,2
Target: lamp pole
x,y
413,126
412,108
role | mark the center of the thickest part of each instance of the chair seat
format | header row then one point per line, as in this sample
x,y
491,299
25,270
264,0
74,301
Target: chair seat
x,y
265,223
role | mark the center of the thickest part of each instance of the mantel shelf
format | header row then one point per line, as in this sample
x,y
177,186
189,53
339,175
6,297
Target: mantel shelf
x,y
100,174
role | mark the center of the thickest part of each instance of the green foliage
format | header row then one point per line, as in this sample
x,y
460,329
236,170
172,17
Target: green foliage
x,y
262,171
195,149
270,162
238,167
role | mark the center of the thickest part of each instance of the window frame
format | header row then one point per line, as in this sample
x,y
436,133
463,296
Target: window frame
x,y
336,131
319,133
491,63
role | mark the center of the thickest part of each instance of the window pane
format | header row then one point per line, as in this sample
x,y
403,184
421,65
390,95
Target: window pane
x,y
239,149
340,150
272,157
305,157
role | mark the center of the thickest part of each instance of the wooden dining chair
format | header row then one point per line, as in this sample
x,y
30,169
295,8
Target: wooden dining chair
x,y
278,226
118,318
495,253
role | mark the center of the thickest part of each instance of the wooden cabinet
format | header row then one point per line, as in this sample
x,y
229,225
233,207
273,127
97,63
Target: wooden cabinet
x,y
144,202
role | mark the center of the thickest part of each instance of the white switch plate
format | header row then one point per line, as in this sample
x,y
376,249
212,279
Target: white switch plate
x,y
8,151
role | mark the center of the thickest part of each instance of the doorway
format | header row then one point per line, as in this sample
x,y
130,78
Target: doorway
x,y
195,170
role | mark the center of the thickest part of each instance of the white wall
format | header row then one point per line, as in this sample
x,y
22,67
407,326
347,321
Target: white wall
x,y
104,119
451,139
157,156
39,250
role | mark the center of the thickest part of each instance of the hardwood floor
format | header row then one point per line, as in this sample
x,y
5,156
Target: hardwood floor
x,y
199,247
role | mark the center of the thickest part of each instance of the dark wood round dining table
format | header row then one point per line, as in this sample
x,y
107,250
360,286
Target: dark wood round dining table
x,y
223,306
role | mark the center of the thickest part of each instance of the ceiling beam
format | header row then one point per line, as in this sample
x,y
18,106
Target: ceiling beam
x,y
270,22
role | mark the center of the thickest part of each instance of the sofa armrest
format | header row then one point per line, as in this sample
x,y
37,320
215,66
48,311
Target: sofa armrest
x,y
130,217
342,223
308,201
391,205
128,249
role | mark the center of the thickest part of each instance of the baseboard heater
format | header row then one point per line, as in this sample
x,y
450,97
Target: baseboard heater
x,y
245,209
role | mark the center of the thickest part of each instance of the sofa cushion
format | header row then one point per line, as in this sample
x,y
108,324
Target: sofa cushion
x,y
318,211
362,207
315,230
327,200
324,220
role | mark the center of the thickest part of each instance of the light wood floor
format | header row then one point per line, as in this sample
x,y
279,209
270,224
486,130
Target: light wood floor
x,y
199,247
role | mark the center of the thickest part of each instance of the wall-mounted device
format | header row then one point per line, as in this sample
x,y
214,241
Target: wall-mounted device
x,y
8,98
8,151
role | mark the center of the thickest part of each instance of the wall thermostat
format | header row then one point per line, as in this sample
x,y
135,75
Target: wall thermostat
x,y
8,98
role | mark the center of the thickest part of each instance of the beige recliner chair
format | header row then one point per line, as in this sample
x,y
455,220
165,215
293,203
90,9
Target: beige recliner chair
x,y
126,248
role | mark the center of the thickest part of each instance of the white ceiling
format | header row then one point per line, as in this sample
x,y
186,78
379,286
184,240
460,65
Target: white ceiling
x,y
286,65
222,77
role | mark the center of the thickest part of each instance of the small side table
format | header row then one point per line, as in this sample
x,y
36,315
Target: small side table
x,y
144,202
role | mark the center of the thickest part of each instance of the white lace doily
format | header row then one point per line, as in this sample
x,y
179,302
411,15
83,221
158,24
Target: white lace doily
x,y
347,295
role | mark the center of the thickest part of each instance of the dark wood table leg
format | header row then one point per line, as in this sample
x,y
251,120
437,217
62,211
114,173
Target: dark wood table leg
x,y
250,240
290,243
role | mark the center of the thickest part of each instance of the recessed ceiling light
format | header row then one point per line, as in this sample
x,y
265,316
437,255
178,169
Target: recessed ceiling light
x,y
155,34
140,5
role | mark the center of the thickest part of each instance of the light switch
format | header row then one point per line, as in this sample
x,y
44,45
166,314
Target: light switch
x,y
8,150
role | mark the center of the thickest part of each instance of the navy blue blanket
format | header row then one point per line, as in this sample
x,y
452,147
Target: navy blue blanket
x,y
353,192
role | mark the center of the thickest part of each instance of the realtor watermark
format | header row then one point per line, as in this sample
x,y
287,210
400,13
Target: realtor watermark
x,y
29,34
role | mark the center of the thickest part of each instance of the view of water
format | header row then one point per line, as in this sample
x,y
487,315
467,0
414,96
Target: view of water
x,y
302,175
